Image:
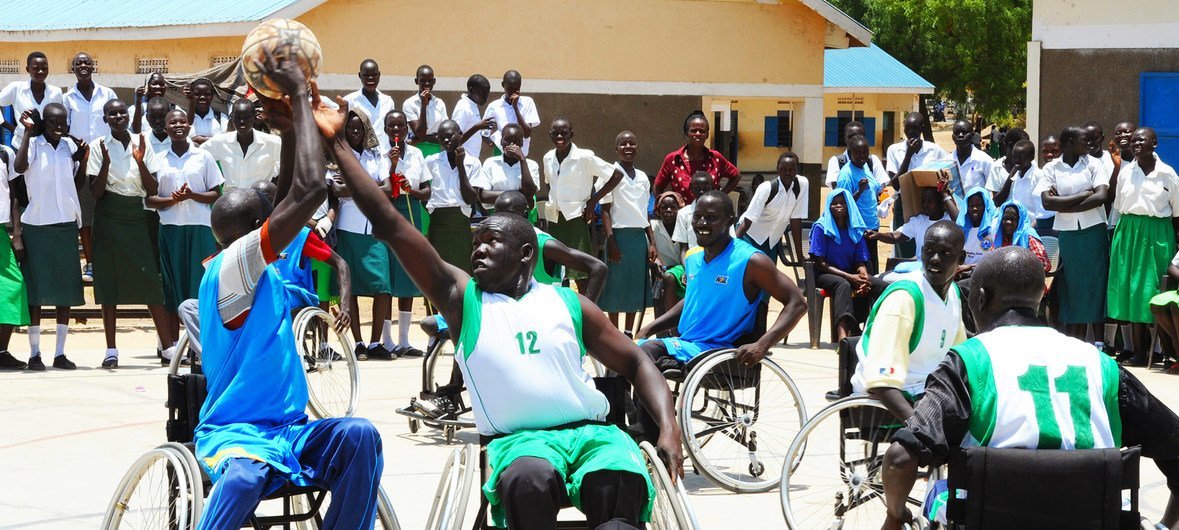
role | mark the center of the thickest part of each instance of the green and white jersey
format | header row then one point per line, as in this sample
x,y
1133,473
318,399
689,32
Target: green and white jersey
x,y
539,273
521,360
1035,388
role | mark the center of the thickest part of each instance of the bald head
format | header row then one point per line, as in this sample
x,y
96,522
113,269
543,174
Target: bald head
x,y
1006,278
267,188
512,202
237,212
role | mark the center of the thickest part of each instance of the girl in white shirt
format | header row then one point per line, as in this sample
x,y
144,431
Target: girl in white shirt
x,y
14,304
32,94
630,242
404,169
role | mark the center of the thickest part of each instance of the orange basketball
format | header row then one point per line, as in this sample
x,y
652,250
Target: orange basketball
x,y
280,36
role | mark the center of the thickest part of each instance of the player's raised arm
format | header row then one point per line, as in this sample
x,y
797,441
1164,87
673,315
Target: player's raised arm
x,y
440,282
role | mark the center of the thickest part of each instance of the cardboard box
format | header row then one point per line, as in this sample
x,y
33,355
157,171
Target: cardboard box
x,y
927,176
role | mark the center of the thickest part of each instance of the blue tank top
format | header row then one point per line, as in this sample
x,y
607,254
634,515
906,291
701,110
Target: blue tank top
x,y
257,392
716,310
295,270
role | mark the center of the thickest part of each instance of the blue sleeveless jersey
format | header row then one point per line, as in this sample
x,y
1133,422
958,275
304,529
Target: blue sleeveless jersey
x,y
256,388
716,311
295,270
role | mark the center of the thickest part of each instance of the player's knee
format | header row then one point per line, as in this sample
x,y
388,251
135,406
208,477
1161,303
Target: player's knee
x,y
529,477
360,434
897,457
429,325
243,478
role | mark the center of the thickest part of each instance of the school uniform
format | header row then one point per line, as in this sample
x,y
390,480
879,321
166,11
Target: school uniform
x,y
502,112
1104,164
209,125
86,122
368,259
497,174
1022,191
683,232
243,169
185,234
450,215
976,170
19,94
158,145
125,267
894,157
50,225
411,168
626,288
466,114
571,183
980,239
770,211
833,167
849,179
435,114
14,302
1144,240
358,102
1084,243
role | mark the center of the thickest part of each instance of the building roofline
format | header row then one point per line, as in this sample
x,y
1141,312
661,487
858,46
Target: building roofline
x,y
860,35
877,90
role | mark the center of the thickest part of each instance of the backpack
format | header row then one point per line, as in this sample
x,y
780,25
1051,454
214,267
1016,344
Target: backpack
x,y
776,186
842,159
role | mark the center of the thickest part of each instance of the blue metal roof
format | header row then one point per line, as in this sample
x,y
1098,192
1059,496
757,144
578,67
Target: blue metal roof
x,y
868,67
52,15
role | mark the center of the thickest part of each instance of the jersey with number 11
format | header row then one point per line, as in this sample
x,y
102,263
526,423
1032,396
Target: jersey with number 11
x,y
1035,388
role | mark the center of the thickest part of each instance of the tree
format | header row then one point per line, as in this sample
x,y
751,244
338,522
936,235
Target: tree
x,y
961,46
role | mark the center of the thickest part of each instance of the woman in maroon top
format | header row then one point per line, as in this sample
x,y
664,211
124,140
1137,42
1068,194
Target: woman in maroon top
x,y
676,172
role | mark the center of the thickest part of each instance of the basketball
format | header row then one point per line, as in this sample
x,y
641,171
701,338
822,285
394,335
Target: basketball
x,y
280,36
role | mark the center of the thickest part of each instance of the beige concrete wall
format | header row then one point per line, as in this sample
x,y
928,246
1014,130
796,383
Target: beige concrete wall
x,y
120,57
1082,24
873,106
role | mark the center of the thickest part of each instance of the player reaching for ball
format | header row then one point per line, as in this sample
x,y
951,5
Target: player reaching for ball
x,y
253,435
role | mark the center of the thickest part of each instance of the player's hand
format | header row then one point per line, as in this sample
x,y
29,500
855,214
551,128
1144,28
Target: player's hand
x,y
892,522
330,121
669,447
613,253
395,154
322,227
343,317
751,354
138,151
912,145
282,69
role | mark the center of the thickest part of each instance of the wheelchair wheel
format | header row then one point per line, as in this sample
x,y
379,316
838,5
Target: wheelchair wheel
x,y
196,480
836,477
333,379
671,510
183,351
454,488
386,517
156,492
738,420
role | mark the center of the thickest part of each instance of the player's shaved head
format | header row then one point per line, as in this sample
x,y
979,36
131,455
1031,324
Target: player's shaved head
x,y
267,188
512,202
237,212
1006,278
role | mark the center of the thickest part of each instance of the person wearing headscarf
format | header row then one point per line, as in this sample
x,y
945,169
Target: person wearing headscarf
x,y
369,260
1014,227
840,253
977,219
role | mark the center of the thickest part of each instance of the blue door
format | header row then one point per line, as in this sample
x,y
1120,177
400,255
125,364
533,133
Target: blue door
x,y
1158,108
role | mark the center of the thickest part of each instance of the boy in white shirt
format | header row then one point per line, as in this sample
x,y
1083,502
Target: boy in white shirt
x,y
451,196
1020,183
204,121
836,163
512,108
33,94
154,87
370,101
467,115
510,171
936,205
907,154
684,234
244,154
49,225
423,122
776,204
630,241
84,101
974,166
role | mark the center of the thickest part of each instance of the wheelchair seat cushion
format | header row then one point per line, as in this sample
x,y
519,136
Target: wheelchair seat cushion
x,y
574,451
684,351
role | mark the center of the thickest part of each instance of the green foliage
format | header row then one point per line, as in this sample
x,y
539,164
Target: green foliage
x,y
961,46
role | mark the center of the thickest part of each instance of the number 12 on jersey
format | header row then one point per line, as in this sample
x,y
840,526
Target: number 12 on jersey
x,y
527,343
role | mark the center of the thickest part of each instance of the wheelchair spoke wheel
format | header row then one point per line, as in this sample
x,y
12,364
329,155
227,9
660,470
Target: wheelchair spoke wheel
x,y
155,493
835,480
738,420
333,380
672,510
184,351
386,518
454,489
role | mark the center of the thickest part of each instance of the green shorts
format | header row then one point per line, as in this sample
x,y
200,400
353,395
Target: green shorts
x,y
681,287
574,453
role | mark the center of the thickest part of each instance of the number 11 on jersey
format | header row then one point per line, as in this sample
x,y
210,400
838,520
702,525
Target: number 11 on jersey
x,y
528,338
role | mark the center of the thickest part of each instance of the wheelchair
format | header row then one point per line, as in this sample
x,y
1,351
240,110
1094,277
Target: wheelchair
x,y
453,413
333,377
166,487
834,477
671,510
736,419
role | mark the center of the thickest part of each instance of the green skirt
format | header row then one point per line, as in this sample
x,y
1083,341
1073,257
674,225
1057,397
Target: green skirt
x,y
1165,298
53,274
326,286
411,209
1084,258
450,235
574,233
1141,251
183,249
14,301
368,262
626,284
125,268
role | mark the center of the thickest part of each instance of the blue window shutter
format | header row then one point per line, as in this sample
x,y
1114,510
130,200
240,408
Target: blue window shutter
x,y
771,132
870,130
831,132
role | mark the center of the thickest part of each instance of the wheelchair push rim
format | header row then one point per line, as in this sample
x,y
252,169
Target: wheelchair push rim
x,y
454,489
737,434
333,378
672,510
155,492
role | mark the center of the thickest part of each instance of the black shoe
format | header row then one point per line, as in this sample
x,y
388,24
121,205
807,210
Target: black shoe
x,y
1123,355
361,352
1138,360
35,364
110,362
410,351
61,363
8,362
378,352
159,353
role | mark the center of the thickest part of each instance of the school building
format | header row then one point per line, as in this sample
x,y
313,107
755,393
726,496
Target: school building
x,y
762,69
1087,61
